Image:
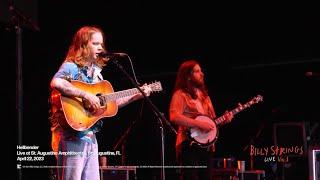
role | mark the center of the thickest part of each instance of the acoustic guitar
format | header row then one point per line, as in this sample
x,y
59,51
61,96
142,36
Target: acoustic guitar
x,y
78,114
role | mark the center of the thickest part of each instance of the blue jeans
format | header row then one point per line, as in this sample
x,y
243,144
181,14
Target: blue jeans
x,y
79,161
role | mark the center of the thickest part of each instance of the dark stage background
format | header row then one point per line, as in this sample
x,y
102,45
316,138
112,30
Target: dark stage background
x,y
244,49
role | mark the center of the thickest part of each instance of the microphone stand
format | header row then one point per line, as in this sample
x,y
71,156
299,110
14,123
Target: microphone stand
x,y
124,137
18,19
159,115
121,141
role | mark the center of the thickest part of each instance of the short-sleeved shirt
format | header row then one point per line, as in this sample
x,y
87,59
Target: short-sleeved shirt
x,y
183,103
71,71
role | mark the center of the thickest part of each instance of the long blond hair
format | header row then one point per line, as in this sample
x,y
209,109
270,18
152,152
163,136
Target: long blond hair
x,y
79,51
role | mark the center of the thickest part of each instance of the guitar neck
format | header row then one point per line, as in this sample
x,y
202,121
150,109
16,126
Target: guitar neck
x,y
120,94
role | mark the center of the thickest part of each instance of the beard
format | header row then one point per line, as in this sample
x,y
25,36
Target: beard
x,y
198,83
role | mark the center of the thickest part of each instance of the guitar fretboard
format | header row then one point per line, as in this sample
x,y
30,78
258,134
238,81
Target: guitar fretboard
x,y
120,94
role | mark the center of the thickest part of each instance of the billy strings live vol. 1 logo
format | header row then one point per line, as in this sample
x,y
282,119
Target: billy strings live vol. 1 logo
x,y
276,153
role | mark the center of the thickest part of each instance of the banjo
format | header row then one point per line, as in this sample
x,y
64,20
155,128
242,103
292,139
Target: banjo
x,y
207,138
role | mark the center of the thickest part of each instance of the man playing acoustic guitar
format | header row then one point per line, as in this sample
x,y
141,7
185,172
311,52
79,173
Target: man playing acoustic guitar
x,y
190,100
76,108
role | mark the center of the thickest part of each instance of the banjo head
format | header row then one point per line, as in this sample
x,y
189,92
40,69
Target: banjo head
x,y
204,138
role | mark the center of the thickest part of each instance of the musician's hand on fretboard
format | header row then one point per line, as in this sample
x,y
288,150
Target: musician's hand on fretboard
x,y
228,116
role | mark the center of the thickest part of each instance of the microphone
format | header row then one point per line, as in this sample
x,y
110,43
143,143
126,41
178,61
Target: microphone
x,y
312,74
111,55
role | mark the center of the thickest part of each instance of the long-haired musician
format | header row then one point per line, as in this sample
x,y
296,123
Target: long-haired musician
x,y
77,150
190,100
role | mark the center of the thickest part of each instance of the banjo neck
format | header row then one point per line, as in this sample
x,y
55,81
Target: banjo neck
x,y
239,108
205,139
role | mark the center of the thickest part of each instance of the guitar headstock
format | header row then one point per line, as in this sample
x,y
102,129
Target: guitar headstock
x,y
155,86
